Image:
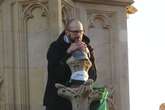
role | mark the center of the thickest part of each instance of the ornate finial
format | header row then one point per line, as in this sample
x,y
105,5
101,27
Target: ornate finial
x,y
80,97
131,9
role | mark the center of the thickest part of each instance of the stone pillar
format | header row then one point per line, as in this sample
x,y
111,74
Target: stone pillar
x,y
105,24
6,57
55,18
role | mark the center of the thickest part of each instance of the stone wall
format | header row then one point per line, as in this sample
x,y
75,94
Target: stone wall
x,y
27,27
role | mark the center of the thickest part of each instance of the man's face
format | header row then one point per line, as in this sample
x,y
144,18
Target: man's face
x,y
75,31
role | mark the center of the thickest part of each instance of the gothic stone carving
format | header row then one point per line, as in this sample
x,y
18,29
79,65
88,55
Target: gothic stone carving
x,y
107,2
99,31
30,5
131,9
93,15
80,99
67,11
22,12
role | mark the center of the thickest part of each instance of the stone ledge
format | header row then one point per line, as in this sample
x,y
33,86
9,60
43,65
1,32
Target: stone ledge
x,y
107,2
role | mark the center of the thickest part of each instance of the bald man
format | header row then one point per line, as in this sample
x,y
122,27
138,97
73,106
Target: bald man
x,y
69,41
162,106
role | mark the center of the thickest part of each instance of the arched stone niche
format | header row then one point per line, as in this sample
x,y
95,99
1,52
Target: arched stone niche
x,y
30,42
100,36
36,19
67,11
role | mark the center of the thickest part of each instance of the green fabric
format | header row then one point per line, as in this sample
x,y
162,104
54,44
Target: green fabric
x,y
104,96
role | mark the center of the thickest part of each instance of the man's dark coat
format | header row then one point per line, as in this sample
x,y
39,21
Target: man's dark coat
x,y
59,72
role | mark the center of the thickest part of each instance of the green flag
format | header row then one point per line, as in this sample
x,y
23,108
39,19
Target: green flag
x,y
104,96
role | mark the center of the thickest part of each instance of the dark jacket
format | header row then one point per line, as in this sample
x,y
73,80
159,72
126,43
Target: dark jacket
x,y
59,72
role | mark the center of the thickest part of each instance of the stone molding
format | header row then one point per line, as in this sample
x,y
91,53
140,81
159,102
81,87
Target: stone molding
x,y
6,51
29,6
107,2
105,19
114,18
97,14
68,2
79,97
21,13
131,9
67,8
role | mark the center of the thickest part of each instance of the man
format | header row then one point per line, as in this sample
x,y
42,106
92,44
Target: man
x,y
69,41
162,106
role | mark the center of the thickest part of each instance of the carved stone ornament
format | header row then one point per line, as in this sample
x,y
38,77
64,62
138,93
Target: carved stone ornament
x,y
29,6
67,11
65,15
83,96
131,9
107,2
79,97
92,16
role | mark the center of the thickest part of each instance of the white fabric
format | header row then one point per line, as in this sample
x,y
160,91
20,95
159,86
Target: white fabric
x,y
80,75
66,39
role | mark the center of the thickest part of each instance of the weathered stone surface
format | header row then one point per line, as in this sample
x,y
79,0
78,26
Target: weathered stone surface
x,y
107,2
27,27
79,96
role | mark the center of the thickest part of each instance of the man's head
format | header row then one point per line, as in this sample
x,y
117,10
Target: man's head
x,y
74,30
162,106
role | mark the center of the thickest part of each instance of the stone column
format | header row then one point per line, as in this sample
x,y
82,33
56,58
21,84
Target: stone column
x,y
105,24
55,18
7,62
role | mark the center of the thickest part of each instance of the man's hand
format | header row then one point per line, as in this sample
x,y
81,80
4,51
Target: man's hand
x,y
76,46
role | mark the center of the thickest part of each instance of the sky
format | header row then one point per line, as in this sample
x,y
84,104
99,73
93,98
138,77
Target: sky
x,y
146,46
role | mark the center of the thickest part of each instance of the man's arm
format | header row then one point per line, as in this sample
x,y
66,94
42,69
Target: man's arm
x,y
57,68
